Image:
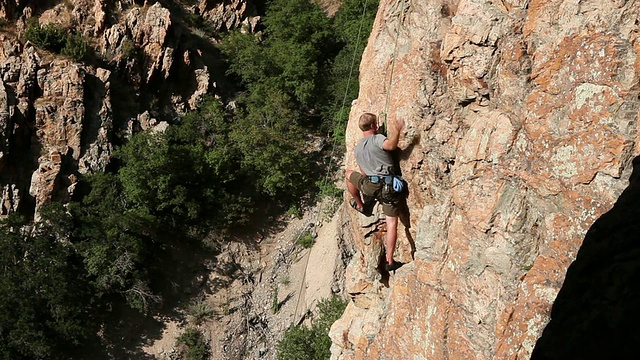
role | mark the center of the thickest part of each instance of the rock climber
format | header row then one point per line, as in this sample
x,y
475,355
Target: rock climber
x,y
373,156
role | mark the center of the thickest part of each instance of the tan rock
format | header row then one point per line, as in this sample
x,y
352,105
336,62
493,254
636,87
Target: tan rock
x,y
227,14
5,120
67,135
521,125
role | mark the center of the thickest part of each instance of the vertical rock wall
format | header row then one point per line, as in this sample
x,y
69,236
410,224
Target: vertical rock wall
x,y
522,124
46,135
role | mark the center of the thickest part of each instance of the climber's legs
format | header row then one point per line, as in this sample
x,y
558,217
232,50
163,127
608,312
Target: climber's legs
x,y
353,190
392,235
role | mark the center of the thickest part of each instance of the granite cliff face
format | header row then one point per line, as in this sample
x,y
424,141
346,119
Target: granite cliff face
x,y
522,123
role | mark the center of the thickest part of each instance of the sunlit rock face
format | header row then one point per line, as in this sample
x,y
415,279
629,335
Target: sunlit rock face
x,y
521,126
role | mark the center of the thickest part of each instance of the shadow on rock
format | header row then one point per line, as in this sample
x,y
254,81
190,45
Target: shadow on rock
x,y
596,314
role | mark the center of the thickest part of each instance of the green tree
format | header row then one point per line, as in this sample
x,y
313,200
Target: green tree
x,y
75,47
194,174
271,144
293,55
157,176
312,343
352,25
194,344
46,296
224,183
116,242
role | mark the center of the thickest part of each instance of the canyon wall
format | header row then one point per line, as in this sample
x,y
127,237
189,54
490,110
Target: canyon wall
x,y
521,128
58,117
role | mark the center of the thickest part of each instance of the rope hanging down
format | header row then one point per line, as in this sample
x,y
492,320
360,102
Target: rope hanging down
x,y
325,180
393,63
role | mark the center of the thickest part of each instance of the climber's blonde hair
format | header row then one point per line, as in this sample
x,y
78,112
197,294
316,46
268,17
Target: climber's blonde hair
x,y
366,121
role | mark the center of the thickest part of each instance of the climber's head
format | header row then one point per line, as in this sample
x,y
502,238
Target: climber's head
x,y
368,121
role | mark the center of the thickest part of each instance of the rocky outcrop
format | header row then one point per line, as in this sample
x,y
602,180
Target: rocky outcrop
x,y
522,123
227,15
58,118
58,122
48,135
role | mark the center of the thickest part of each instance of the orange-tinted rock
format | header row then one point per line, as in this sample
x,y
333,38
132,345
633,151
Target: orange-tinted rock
x,y
521,123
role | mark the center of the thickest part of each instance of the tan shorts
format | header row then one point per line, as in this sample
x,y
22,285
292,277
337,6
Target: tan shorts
x,y
371,190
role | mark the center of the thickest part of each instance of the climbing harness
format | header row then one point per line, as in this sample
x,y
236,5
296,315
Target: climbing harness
x,y
392,187
396,182
391,190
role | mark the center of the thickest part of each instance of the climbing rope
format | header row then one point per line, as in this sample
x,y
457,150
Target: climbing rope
x,y
325,180
393,63
344,100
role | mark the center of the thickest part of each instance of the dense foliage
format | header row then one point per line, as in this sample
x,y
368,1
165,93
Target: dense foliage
x,y
46,299
302,342
115,242
212,167
309,63
184,174
351,27
207,173
56,39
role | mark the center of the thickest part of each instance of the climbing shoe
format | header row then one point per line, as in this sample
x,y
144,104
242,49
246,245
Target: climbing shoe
x,y
367,211
393,267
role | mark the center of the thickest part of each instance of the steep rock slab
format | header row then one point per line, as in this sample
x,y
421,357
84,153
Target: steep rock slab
x,y
521,125
59,115
18,70
45,126
70,137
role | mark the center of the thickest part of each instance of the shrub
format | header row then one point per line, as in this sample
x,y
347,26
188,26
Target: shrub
x,y
297,344
200,310
193,345
328,189
330,310
275,305
51,37
127,48
312,343
306,240
75,47
294,211
56,39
